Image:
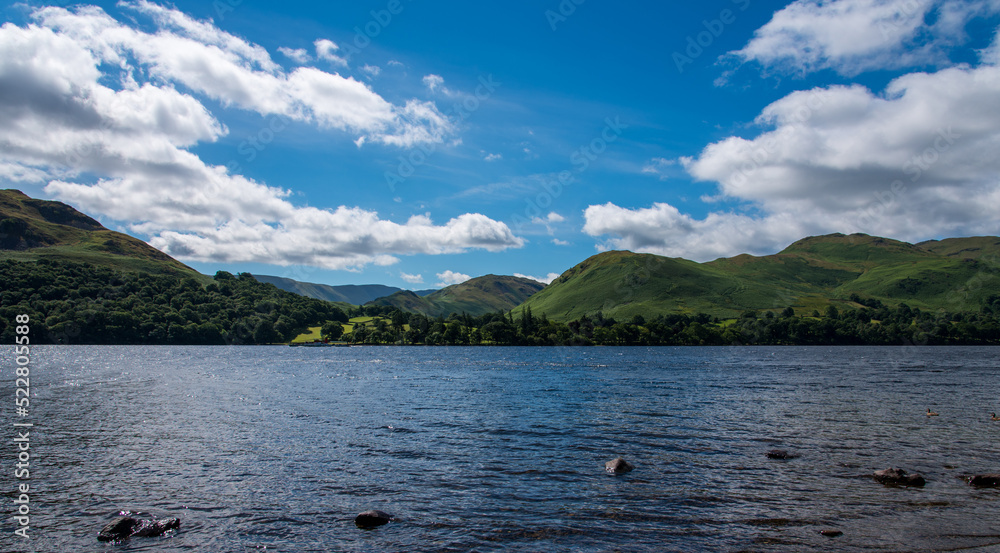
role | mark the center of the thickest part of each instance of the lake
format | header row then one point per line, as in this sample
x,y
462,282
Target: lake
x,y
276,449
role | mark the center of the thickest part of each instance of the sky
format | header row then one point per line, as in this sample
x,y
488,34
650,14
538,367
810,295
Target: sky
x,y
418,144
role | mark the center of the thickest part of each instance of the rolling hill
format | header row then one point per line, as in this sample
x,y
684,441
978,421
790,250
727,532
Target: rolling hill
x,y
351,294
33,229
478,296
954,274
957,274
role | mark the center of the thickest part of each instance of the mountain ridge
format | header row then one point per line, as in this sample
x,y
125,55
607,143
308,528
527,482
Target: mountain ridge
x,y
813,273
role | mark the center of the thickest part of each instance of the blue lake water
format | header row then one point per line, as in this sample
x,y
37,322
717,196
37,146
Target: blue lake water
x,y
276,449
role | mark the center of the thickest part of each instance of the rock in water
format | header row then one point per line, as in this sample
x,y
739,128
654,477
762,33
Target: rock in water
x,y
153,528
118,529
618,466
780,454
372,519
985,481
898,477
125,527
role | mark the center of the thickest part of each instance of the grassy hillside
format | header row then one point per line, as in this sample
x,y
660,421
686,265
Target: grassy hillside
x,y
811,274
32,229
976,247
478,296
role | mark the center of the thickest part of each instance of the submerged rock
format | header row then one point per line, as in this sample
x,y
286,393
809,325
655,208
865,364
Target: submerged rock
x,y
780,454
831,533
125,527
985,481
898,477
372,519
618,466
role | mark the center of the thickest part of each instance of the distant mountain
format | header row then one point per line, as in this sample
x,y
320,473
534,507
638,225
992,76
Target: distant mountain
x,y
478,296
956,274
33,229
352,294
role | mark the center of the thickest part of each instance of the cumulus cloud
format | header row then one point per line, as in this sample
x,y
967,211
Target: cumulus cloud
x,y
325,51
97,111
371,70
298,55
544,280
492,157
853,36
412,279
912,162
449,278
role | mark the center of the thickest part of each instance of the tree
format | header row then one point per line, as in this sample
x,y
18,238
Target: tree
x,y
332,331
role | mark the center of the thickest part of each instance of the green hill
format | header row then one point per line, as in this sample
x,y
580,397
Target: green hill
x,y
976,247
478,296
32,229
956,275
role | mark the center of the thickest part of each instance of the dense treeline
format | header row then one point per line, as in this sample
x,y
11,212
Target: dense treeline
x,y
872,324
75,303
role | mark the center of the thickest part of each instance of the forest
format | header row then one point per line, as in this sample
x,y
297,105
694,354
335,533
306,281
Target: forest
x,y
78,303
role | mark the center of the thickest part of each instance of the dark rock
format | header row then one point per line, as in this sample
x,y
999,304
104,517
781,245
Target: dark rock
x,y
125,527
780,454
898,477
618,466
372,519
985,481
831,533
118,529
153,528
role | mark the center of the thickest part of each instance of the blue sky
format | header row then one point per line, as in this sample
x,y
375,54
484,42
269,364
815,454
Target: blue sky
x,y
419,143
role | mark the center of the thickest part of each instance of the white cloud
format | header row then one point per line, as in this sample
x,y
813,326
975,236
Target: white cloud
x,y
371,70
225,68
492,157
298,55
914,162
433,81
853,36
546,280
559,242
325,51
412,279
658,166
551,219
123,151
449,278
